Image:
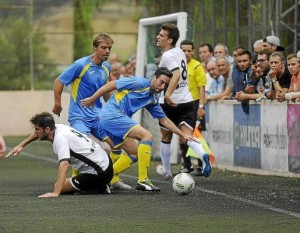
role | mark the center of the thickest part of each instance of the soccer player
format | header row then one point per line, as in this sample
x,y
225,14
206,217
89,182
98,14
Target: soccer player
x,y
75,149
197,82
87,75
177,101
131,95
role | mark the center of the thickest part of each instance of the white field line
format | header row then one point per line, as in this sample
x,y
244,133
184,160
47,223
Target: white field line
x,y
236,198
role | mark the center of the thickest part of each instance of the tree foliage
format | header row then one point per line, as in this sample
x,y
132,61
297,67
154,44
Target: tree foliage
x,y
233,22
14,57
83,13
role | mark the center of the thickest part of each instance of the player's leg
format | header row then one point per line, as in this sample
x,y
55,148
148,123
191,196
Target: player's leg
x,y
165,153
115,154
187,125
144,157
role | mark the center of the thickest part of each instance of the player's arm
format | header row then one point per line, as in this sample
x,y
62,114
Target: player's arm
x,y
172,86
17,149
107,88
61,179
58,88
166,122
2,145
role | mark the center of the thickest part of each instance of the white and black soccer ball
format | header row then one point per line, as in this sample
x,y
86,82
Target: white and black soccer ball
x,y
183,183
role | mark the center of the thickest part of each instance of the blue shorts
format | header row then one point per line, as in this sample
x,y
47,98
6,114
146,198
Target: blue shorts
x,y
89,126
117,126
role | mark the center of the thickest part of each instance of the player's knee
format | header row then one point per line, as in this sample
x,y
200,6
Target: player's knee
x,y
147,136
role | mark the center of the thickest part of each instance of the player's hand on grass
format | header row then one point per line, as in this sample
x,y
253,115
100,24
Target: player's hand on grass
x,y
48,195
87,102
15,151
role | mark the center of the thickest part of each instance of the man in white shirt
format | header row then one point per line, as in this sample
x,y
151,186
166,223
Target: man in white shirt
x,y
72,148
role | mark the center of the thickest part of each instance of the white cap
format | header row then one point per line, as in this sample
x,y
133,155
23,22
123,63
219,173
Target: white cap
x,y
298,54
275,41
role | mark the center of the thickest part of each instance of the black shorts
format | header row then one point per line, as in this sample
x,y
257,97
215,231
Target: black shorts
x,y
96,183
181,114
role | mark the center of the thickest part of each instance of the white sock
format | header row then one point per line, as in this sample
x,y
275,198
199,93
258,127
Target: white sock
x,y
197,148
165,152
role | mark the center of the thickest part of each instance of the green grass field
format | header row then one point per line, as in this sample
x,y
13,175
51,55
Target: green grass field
x,y
224,202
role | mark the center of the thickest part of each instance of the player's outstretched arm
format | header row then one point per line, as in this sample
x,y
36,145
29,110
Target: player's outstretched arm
x,y
107,88
17,149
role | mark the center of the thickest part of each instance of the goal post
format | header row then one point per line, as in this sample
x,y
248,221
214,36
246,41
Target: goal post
x,y
146,49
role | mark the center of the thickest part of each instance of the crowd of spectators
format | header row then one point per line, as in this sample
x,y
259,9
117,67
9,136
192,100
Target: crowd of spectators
x,y
265,74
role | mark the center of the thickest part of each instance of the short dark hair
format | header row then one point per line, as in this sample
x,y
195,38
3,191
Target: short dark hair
x,y
243,52
173,31
163,70
44,120
187,42
209,46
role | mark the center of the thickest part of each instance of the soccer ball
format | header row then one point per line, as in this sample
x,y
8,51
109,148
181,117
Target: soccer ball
x,y
183,184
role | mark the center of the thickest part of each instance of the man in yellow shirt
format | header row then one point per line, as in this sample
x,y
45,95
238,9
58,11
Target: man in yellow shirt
x,y
197,82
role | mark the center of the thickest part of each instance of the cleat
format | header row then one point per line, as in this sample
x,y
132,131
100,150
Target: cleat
x,y
160,171
107,190
146,185
186,170
199,171
120,185
207,168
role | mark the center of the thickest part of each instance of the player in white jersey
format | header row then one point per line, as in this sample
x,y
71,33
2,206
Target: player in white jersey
x,y
75,149
176,101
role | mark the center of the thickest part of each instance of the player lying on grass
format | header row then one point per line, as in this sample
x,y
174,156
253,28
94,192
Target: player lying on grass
x,y
115,120
73,148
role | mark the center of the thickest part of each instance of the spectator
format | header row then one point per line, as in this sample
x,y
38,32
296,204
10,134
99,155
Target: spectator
x,y
235,53
273,43
113,58
206,53
294,69
241,71
218,80
259,83
151,67
279,75
221,50
116,71
258,45
226,71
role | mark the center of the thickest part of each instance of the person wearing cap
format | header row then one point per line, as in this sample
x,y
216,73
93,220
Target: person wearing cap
x,y
273,43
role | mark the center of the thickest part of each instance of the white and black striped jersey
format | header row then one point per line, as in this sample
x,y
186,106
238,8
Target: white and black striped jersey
x,y
83,153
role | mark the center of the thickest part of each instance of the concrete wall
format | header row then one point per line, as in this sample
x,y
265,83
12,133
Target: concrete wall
x,y
17,107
